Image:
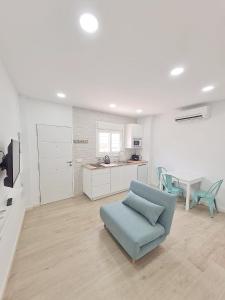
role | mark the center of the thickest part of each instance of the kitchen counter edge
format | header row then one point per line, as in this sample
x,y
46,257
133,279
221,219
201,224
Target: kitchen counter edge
x,y
120,164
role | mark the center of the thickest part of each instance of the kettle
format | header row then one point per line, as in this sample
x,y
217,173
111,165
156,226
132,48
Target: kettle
x,y
106,160
135,157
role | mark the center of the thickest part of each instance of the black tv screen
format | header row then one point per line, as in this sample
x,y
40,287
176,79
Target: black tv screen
x,y
11,163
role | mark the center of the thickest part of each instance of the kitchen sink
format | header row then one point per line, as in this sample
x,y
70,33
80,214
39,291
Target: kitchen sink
x,y
96,165
110,165
100,165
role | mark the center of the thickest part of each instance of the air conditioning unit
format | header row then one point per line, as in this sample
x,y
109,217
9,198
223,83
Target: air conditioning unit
x,y
193,114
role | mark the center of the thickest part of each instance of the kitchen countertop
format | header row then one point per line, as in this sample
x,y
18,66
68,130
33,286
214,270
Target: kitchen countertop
x,y
114,164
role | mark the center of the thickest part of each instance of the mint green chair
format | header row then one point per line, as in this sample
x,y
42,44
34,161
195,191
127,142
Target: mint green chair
x,y
168,182
160,171
207,197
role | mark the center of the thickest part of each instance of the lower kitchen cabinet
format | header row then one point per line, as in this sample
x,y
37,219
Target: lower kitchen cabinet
x,y
100,191
98,183
122,176
142,173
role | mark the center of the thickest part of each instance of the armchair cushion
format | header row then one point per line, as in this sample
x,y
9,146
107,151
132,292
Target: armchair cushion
x,y
131,229
158,197
146,208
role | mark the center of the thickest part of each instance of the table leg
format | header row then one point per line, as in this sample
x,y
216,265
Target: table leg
x,y
188,196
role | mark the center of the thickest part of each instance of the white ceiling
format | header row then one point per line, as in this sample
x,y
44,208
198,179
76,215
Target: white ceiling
x,y
129,59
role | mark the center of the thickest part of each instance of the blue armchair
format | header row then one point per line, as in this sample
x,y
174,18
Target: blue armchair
x,y
131,229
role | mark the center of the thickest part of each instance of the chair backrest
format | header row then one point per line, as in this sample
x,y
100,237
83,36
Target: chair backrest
x,y
155,196
160,171
167,181
214,189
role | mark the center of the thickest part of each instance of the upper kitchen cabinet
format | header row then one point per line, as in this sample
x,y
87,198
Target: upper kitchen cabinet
x,y
133,136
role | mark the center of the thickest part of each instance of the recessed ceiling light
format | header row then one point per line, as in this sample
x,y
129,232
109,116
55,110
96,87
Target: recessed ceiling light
x,y
89,23
61,95
112,105
208,88
177,71
139,111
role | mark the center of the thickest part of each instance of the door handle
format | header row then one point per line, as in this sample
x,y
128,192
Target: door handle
x,y
70,163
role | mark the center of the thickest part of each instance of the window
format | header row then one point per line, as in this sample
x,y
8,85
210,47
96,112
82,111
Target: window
x,y
109,139
115,142
104,142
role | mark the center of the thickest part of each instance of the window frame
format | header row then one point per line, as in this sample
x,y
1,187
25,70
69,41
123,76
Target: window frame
x,y
111,131
121,141
98,131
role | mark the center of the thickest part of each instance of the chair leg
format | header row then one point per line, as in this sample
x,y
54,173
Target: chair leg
x,y
215,205
211,210
193,203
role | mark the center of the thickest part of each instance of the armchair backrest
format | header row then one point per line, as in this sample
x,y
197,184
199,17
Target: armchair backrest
x,y
156,196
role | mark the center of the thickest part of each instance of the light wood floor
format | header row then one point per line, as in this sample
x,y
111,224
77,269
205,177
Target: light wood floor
x,y
64,253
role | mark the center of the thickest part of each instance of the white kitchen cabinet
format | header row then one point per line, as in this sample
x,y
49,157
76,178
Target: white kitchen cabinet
x,y
129,174
100,191
116,175
142,173
100,177
96,183
103,182
132,131
122,176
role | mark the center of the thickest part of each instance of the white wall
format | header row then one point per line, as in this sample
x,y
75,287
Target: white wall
x,y
193,146
35,112
84,127
9,128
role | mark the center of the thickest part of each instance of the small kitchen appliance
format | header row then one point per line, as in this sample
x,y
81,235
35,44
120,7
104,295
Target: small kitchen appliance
x,y
106,160
135,157
137,143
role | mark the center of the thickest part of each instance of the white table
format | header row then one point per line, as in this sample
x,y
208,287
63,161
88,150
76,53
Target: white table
x,y
188,180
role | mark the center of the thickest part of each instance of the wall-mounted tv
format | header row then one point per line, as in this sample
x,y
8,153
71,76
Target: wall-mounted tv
x,y
11,163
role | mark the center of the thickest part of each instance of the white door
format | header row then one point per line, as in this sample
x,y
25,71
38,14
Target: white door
x,y
55,162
